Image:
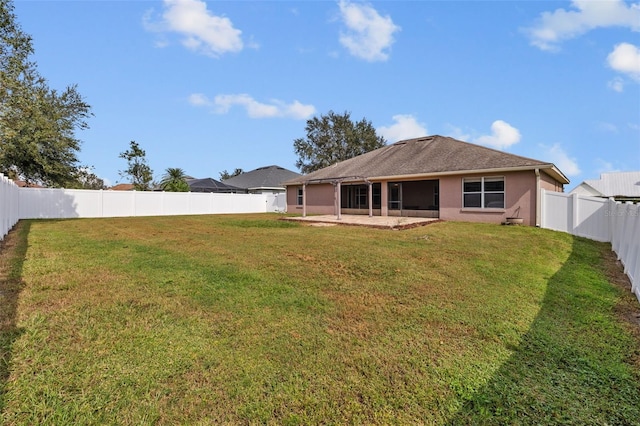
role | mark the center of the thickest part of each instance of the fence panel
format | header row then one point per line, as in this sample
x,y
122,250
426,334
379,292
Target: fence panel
x,y
601,220
9,213
591,217
557,211
36,203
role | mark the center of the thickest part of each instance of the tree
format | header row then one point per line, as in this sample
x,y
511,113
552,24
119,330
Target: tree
x,y
86,179
174,180
224,175
137,170
37,123
333,138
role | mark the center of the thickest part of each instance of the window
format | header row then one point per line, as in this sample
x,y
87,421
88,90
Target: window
x,y
395,196
357,196
485,192
300,197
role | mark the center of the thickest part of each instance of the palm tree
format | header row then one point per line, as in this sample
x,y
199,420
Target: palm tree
x,y
174,180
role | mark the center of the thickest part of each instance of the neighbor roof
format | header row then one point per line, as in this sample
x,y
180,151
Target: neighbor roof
x,y
263,177
209,185
616,184
430,155
123,187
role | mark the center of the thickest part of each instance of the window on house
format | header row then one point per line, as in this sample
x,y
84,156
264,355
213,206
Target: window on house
x,y
300,198
485,192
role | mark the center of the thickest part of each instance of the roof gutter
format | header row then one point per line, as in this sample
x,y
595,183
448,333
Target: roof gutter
x,y
274,188
549,168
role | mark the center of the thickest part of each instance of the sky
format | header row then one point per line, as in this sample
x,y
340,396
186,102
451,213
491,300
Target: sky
x,y
208,86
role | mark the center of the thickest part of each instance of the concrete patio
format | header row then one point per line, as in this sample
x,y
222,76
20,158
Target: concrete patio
x,y
384,222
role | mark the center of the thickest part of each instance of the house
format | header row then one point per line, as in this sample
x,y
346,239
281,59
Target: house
x,y
211,185
123,187
263,179
622,186
433,176
25,184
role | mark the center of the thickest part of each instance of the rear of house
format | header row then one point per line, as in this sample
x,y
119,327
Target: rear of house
x,y
435,176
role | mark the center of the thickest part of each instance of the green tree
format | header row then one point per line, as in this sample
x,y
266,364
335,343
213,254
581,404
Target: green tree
x,y
224,175
174,180
86,179
333,138
37,123
137,169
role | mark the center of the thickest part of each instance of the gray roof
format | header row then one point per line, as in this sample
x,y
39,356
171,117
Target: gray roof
x,y
616,184
263,177
430,155
210,185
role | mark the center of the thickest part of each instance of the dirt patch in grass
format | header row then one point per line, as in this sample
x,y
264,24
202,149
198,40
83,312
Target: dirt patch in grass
x,y
628,308
12,249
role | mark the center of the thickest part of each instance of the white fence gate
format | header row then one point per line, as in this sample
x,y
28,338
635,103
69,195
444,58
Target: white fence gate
x,y
601,220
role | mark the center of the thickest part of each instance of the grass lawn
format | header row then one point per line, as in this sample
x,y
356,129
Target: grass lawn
x,y
253,320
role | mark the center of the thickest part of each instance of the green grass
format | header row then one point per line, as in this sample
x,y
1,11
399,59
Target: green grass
x,y
252,320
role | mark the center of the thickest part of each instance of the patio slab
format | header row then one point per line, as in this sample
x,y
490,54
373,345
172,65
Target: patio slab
x,y
385,222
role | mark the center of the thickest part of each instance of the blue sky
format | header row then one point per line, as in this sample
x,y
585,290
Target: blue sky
x,y
215,85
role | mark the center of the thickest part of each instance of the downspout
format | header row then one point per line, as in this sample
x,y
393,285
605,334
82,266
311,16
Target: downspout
x,y
370,197
537,171
304,200
339,199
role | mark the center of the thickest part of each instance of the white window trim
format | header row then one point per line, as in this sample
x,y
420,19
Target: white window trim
x,y
482,192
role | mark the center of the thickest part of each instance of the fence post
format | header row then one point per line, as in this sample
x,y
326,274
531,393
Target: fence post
x,y
543,208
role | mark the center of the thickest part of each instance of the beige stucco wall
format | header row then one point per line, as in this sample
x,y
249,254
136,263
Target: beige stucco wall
x,y
550,184
520,198
320,199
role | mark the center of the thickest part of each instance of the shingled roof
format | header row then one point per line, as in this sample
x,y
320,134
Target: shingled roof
x,y
430,155
263,177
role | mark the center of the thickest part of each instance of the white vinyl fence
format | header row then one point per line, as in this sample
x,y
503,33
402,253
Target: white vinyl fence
x,y
9,205
601,220
44,203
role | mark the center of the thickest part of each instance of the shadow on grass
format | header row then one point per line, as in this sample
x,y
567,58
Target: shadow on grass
x,y
574,365
12,254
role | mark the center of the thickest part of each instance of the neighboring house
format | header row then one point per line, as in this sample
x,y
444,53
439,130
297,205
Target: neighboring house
x,y
263,179
211,185
433,176
23,184
123,187
622,186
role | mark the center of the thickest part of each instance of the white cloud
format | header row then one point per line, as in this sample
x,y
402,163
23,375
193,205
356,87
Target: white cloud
x,y
607,127
202,31
557,155
368,34
223,103
605,166
198,99
559,25
617,85
503,135
457,133
405,127
625,58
